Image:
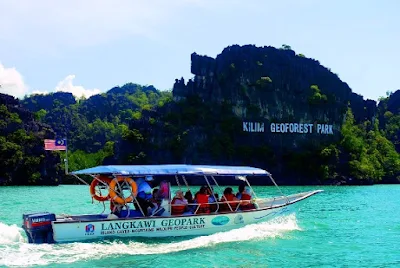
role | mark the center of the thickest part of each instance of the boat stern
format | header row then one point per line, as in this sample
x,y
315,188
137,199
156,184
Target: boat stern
x,y
38,227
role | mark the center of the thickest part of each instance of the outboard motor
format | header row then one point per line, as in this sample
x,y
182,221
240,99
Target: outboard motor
x,y
38,227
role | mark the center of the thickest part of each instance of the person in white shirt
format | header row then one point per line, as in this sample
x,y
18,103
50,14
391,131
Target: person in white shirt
x,y
144,194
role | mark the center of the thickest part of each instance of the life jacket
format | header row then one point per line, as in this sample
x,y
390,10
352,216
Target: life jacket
x,y
177,209
233,204
202,199
246,205
229,197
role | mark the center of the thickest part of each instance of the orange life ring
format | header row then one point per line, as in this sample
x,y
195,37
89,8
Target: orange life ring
x,y
114,195
93,185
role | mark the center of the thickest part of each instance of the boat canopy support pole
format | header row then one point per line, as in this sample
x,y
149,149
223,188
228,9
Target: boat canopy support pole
x,y
177,182
251,188
81,180
219,188
272,179
212,191
120,193
186,183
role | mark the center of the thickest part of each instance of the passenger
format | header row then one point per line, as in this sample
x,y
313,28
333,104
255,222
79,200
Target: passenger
x,y
154,199
230,198
178,204
246,197
202,199
188,196
144,187
191,202
240,191
246,194
212,198
163,193
144,195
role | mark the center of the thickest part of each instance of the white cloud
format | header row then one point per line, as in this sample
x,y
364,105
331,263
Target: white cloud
x,y
66,85
40,92
12,82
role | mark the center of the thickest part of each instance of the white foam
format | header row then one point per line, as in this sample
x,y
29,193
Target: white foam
x,y
10,233
23,254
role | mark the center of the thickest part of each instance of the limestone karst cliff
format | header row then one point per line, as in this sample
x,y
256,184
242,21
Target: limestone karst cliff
x,y
23,160
258,106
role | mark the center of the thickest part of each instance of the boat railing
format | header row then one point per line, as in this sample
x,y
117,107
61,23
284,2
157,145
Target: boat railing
x,y
233,206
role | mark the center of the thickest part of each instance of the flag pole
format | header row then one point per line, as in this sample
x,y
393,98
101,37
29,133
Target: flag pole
x,y
66,157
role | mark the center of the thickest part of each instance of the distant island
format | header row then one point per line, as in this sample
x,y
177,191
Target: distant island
x,y
259,106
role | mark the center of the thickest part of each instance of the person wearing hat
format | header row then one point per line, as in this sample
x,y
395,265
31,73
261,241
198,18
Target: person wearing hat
x,y
246,197
179,203
144,194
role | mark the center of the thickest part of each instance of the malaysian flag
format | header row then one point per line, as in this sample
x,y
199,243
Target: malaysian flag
x,y
55,145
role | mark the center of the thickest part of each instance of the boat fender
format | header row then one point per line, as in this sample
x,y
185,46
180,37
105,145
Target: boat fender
x,y
93,185
114,193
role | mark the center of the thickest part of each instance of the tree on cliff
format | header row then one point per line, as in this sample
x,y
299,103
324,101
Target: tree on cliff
x,y
93,125
23,160
371,155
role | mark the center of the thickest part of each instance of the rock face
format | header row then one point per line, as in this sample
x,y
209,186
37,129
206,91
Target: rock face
x,y
362,109
389,117
291,99
23,160
393,104
257,106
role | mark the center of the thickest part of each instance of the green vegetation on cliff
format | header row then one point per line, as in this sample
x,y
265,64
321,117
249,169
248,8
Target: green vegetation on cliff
x,y
364,153
93,125
23,160
90,123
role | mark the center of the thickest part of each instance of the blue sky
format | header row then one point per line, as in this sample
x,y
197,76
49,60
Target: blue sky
x,y
90,46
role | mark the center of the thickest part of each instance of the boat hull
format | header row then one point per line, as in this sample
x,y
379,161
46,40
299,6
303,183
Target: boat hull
x,y
47,228
185,225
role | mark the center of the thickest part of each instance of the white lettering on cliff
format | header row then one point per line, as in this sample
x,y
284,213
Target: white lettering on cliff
x,y
253,127
302,128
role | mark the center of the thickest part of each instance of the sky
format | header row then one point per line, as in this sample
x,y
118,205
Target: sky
x,y
88,47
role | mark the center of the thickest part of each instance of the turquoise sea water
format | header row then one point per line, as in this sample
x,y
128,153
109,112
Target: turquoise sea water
x,y
355,226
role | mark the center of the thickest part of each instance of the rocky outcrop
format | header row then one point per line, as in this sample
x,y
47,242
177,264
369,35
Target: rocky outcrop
x,y
37,102
389,117
23,160
362,109
393,103
272,86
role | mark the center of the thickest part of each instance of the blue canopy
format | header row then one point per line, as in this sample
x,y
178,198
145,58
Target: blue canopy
x,y
173,170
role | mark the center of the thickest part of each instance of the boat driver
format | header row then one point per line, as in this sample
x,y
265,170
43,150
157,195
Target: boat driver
x,y
145,194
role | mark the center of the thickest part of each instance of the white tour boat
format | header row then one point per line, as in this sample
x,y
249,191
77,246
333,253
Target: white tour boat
x,y
129,216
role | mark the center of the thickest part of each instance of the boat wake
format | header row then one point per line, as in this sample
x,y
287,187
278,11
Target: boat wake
x,y
10,234
14,249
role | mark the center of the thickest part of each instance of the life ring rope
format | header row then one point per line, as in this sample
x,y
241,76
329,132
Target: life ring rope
x,y
97,194
116,190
